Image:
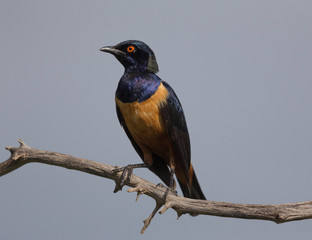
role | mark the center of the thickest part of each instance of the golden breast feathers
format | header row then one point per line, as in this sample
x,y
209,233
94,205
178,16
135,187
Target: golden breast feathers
x,y
143,118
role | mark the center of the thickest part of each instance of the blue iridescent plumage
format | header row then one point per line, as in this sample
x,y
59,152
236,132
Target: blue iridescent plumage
x,y
136,86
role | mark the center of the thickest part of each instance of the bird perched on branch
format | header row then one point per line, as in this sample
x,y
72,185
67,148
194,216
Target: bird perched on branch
x,y
152,116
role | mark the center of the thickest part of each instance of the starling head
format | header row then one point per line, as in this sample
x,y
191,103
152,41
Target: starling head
x,y
134,56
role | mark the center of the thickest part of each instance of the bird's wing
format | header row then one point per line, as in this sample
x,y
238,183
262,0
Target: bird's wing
x,y
173,116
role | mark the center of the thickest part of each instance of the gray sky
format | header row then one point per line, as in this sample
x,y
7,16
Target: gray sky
x,y
242,70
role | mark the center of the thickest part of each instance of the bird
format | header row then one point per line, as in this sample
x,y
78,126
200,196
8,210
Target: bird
x,y
152,117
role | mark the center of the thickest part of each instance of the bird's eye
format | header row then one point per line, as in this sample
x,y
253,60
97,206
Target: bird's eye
x,y
130,49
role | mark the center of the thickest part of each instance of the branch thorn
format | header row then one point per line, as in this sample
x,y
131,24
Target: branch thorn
x,y
23,144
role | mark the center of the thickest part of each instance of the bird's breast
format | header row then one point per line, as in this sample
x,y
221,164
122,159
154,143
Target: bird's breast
x,y
143,119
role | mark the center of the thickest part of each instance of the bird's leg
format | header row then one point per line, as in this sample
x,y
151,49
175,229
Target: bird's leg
x,y
171,186
126,173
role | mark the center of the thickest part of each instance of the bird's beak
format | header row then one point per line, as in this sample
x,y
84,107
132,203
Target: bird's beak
x,y
112,50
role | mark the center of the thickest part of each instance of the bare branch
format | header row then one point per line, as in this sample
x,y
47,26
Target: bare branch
x,y
276,213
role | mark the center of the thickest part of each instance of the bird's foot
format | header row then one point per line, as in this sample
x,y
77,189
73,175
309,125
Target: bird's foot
x,y
160,185
172,191
126,173
168,189
167,203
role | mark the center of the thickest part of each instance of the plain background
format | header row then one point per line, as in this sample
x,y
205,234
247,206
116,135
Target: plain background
x,y
242,70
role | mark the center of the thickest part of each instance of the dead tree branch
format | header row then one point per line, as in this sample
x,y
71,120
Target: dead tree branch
x,y
276,213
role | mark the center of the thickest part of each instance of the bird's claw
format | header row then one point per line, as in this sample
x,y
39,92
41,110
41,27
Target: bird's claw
x,y
168,189
125,176
172,191
118,169
160,185
126,173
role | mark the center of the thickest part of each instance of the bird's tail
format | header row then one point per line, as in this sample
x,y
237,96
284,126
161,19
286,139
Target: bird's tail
x,y
193,190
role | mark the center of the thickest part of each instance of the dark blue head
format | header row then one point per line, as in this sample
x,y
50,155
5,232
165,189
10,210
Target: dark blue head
x,y
134,56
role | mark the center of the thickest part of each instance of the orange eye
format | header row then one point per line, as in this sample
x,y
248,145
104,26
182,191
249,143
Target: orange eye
x,y
130,49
